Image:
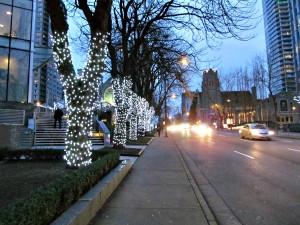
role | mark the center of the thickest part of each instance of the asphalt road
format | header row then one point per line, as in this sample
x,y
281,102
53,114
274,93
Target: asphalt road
x,y
259,181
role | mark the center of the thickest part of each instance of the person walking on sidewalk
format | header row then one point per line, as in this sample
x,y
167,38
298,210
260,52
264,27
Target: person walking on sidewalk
x,y
57,117
158,129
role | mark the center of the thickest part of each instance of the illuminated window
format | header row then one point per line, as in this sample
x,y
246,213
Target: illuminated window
x,y
108,96
3,72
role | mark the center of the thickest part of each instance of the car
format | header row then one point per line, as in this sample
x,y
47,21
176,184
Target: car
x,y
255,131
203,129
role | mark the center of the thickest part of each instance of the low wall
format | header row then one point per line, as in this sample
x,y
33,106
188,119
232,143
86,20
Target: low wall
x,y
15,136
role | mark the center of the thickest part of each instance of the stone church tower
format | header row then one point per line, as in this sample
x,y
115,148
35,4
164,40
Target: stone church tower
x,y
211,97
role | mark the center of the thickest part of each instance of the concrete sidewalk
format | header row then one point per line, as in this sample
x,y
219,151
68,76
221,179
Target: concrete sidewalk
x,y
157,190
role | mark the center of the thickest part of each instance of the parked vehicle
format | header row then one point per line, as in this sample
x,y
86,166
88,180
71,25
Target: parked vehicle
x,y
256,131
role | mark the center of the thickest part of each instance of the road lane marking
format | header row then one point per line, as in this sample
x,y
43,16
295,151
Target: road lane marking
x,y
293,150
244,155
286,141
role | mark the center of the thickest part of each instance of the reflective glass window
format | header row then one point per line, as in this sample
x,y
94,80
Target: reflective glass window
x,y
27,4
3,72
4,41
18,76
21,24
9,2
20,44
5,19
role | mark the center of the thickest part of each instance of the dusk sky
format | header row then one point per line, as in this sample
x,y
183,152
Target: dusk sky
x,y
235,53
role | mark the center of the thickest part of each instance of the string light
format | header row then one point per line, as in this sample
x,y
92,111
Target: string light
x,y
141,117
81,92
149,118
123,96
133,117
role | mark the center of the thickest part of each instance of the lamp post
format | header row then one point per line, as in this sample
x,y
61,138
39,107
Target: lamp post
x,y
184,61
166,129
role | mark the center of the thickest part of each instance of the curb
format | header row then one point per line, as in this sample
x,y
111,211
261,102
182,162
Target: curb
x,y
214,208
85,209
186,163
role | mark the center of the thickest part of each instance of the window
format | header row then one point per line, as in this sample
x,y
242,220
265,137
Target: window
x,y
283,105
23,4
21,19
3,72
108,96
18,76
5,20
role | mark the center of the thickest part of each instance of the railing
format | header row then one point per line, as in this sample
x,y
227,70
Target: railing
x,y
12,116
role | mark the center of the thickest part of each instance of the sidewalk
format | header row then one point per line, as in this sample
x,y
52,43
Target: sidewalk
x,y
157,190
294,135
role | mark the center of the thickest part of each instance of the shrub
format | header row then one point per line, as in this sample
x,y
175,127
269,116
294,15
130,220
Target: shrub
x,y
46,204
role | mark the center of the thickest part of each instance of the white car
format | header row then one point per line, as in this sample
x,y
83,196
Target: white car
x,y
203,129
256,131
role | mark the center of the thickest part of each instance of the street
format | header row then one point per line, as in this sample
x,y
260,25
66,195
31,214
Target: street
x,y
259,181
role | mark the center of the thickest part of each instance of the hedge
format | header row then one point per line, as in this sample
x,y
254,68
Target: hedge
x,y
46,204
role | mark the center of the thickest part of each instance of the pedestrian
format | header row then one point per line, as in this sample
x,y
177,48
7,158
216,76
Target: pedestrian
x,y
158,129
57,117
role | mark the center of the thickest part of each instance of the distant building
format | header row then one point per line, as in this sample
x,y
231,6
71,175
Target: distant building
x,y
27,72
288,111
282,21
215,106
47,87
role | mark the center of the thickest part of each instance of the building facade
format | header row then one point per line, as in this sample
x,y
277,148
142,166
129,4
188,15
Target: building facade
x,y
281,19
219,108
16,52
47,87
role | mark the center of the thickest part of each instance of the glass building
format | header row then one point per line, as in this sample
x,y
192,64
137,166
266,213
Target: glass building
x,y
47,87
16,50
281,19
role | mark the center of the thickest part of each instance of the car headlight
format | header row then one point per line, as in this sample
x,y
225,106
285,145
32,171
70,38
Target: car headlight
x,y
255,132
271,132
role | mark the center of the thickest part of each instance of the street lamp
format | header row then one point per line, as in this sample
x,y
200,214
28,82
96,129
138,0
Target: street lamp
x,y
184,61
166,129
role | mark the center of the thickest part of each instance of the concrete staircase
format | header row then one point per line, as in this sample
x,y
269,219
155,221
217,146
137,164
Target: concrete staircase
x,y
46,135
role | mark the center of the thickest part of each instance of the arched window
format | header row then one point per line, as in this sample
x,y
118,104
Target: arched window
x,y
108,96
283,105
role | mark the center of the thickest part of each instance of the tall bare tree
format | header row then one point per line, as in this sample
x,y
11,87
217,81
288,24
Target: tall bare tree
x,y
134,22
266,76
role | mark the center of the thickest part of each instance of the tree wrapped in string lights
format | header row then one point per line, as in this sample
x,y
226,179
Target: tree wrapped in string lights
x,y
149,118
143,104
122,95
81,91
133,117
